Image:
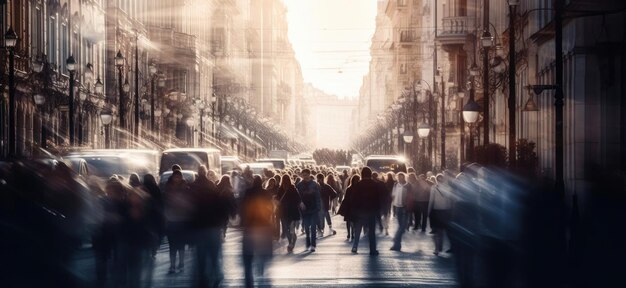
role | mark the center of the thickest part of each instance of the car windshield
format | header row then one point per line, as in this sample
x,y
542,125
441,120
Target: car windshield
x,y
228,165
186,160
386,165
107,166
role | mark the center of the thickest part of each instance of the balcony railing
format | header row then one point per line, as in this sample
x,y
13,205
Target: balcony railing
x,y
459,25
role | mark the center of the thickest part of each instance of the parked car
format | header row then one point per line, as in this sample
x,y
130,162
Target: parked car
x,y
141,161
190,159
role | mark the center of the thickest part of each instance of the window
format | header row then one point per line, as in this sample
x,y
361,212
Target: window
x,y
52,40
401,3
64,53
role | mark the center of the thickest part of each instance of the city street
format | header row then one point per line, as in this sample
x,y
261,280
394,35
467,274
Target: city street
x,y
332,265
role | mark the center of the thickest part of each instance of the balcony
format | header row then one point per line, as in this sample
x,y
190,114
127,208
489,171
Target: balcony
x,y
454,30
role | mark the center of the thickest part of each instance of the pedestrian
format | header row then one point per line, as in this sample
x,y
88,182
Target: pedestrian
x,y
346,206
227,195
156,221
366,208
332,182
386,203
209,212
327,194
256,216
310,193
439,208
421,197
178,212
290,205
106,238
400,199
137,234
272,189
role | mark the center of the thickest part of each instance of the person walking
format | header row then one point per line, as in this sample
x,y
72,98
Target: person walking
x,y
439,208
400,199
312,202
290,204
421,196
256,218
227,195
209,210
327,194
385,211
332,182
346,207
366,208
178,212
272,189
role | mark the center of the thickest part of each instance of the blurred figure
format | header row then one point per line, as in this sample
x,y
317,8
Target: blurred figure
x,y
385,211
272,189
107,239
226,193
311,199
256,217
439,210
400,199
421,196
332,182
344,181
156,221
327,194
137,232
366,208
212,175
290,205
346,207
178,212
210,210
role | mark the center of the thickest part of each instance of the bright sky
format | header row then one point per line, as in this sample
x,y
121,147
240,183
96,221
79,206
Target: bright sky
x,y
331,39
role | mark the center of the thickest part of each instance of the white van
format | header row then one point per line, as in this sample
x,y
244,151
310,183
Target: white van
x,y
386,163
190,159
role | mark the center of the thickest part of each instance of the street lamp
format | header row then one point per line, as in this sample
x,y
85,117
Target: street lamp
x,y
423,130
70,64
99,87
10,41
39,100
119,63
106,117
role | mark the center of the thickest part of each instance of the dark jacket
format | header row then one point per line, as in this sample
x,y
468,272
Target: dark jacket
x,y
367,199
327,194
209,208
310,194
289,203
346,205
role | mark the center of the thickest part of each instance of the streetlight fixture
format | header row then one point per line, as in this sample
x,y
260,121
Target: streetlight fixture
x,y
106,117
119,63
10,41
423,130
486,39
99,87
70,64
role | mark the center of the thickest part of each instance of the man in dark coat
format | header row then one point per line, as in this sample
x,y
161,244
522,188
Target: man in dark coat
x,y
209,210
366,208
327,195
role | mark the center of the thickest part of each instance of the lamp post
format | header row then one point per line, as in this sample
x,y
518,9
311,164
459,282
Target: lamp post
x,y
106,117
137,119
512,97
487,41
470,115
10,40
70,63
119,63
153,75
40,100
443,120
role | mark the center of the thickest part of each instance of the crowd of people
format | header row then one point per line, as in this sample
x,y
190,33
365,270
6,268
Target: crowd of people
x,y
127,220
